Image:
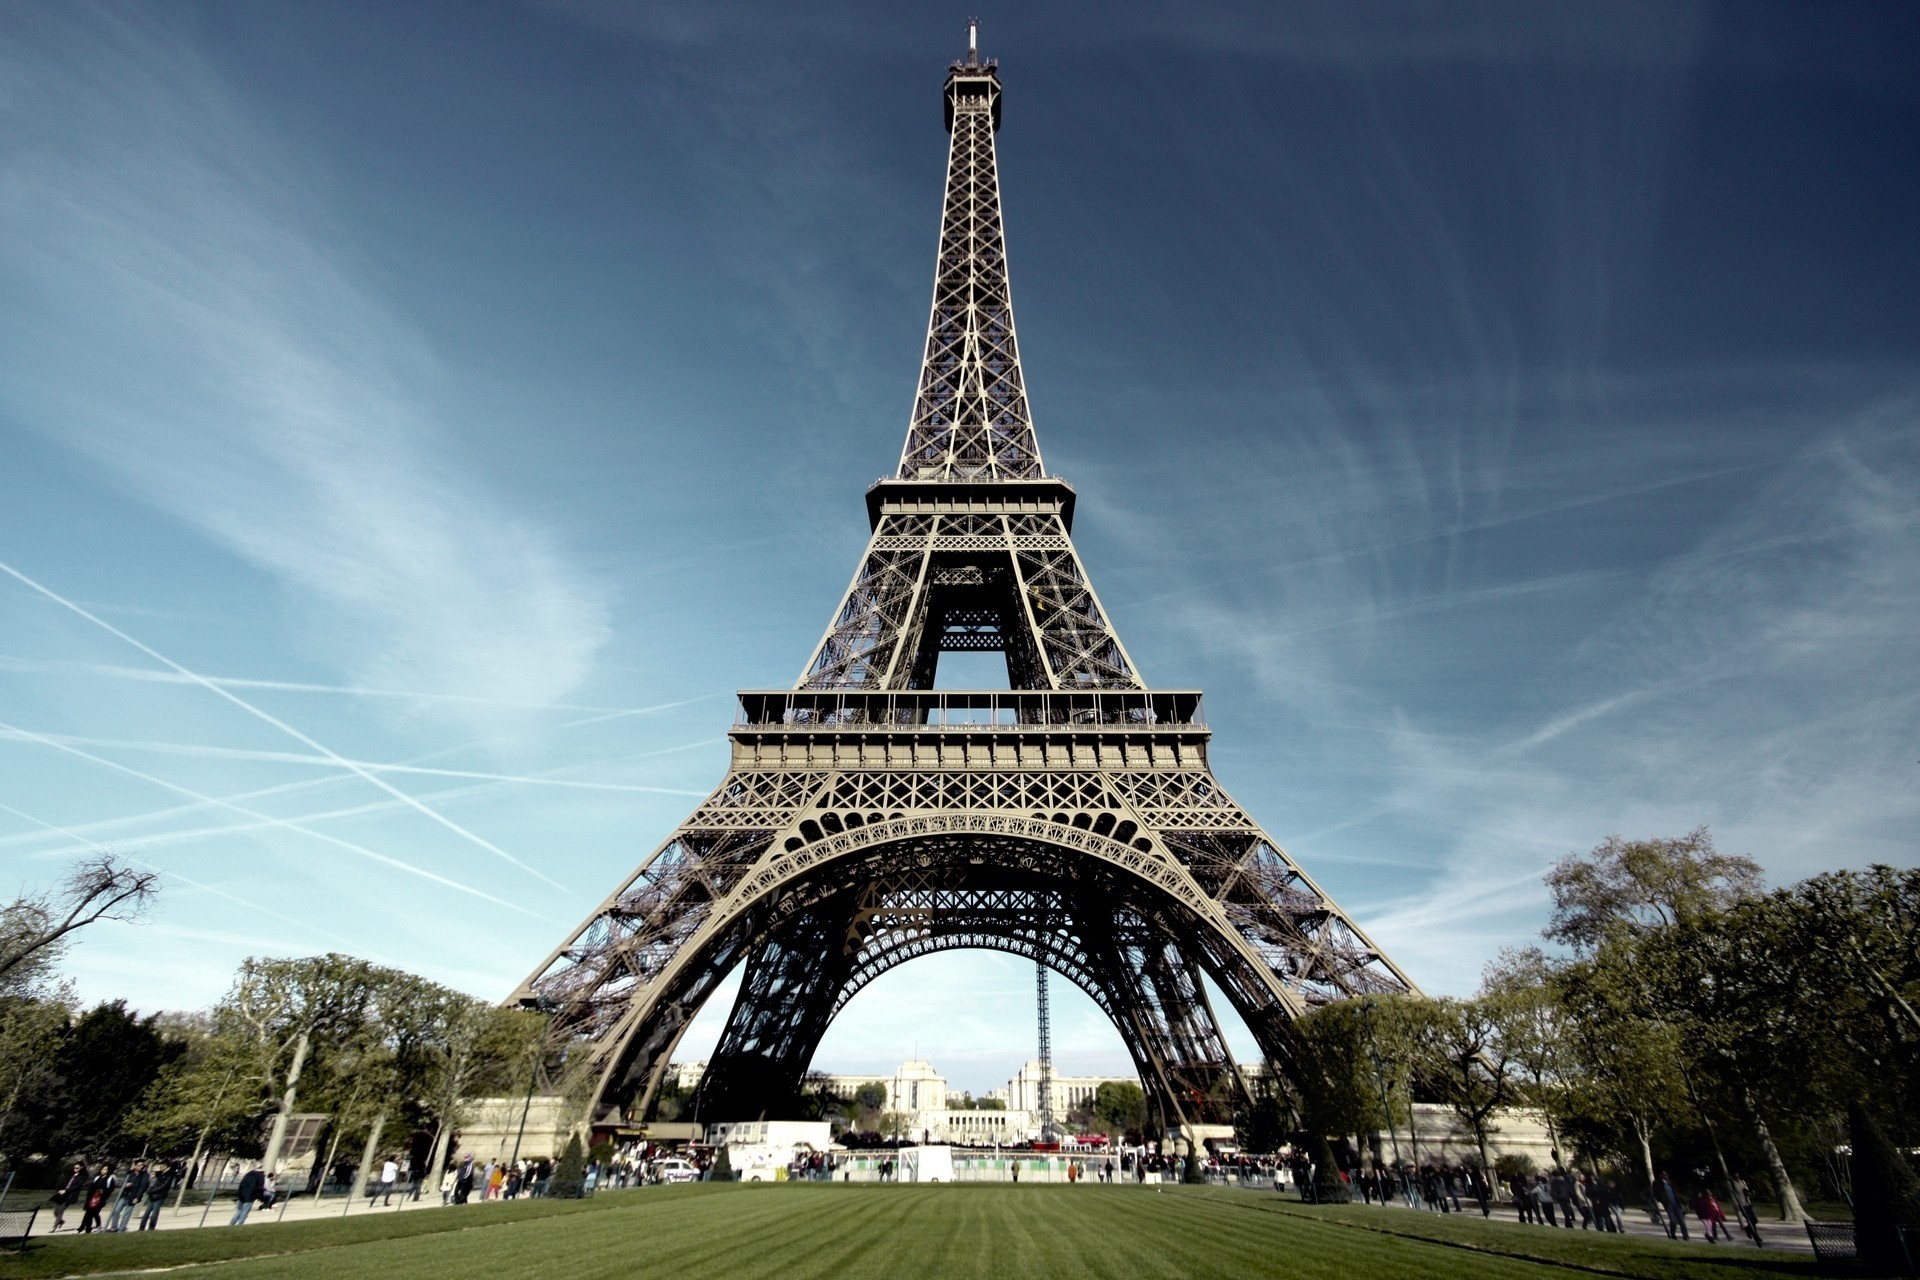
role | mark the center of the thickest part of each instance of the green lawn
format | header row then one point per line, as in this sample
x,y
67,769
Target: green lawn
x,y
839,1232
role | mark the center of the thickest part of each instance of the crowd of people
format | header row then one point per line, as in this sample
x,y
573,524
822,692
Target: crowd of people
x,y
103,1190
1559,1197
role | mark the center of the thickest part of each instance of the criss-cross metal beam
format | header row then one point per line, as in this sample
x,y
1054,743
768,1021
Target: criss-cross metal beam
x,y
869,818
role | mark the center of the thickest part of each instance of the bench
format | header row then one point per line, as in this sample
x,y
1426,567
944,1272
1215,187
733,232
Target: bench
x,y
1832,1241
16,1225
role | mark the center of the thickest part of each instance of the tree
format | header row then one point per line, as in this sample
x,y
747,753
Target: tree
x,y
1636,886
1465,1056
1533,1029
1353,1063
1121,1105
107,1060
281,1009
202,1096
870,1097
1623,1078
1260,1126
570,1173
35,930
32,1026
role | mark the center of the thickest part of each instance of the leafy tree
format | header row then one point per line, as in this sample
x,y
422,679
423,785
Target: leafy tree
x,y
107,1060
281,1012
1354,1062
870,1097
32,1026
1623,1081
570,1173
1465,1056
1261,1126
470,1048
1121,1105
721,1170
1637,886
1534,1031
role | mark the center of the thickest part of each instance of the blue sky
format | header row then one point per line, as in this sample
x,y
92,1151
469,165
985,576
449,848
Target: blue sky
x,y
416,420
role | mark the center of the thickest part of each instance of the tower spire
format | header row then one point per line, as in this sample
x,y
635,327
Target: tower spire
x,y
970,416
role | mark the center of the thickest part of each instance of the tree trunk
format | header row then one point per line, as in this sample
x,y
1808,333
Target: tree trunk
x,y
1790,1207
1644,1131
271,1161
1713,1134
326,1165
366,1157
439,1157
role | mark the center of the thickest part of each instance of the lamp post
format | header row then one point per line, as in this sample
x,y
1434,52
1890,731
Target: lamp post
x,y
1380,1081
548,1007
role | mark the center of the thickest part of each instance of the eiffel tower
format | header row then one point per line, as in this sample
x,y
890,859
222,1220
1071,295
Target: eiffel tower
x,y
869,818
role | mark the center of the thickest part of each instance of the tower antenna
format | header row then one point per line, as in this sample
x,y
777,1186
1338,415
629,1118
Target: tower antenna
x,y
973,42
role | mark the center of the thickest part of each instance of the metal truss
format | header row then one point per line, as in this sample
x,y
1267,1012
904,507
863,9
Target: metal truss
x,y
970,417
869,819
969,581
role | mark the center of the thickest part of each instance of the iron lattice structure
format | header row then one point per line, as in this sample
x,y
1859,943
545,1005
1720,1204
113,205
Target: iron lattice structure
x,y
868,819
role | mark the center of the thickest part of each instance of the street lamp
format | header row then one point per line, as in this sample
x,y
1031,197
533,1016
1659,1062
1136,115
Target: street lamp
x,y
548,1007
1380,1079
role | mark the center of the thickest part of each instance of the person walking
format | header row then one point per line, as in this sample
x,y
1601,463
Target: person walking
x,y
1583,1204
131,1192
100,1189
389,1179
1560,1188
1667,1196
1713,1219
73,1187
1742,1196
164,1180
253,1184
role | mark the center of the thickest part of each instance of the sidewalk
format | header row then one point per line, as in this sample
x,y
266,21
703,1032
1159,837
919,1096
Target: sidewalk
x,y
298,1207
1787,1237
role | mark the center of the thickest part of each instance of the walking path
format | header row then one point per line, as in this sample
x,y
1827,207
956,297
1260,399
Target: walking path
x,y
1790,1237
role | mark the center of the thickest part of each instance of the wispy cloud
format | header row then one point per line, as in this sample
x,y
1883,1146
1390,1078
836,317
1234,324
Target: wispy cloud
x,y
222,352
360,766
147,675
394,864
366,775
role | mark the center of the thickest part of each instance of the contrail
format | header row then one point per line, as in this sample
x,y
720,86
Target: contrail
x,y
149,676
283,726
189,880
289,757
287,788
635,711
270,820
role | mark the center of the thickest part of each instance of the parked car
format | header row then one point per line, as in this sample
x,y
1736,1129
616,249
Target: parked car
x,y
675,1169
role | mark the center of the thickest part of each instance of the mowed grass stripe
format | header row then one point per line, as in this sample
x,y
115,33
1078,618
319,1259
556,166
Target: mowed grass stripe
x,y
1592,1251
884,1233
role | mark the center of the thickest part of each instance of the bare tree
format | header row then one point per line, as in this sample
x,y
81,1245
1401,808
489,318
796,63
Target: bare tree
x,y
34,930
